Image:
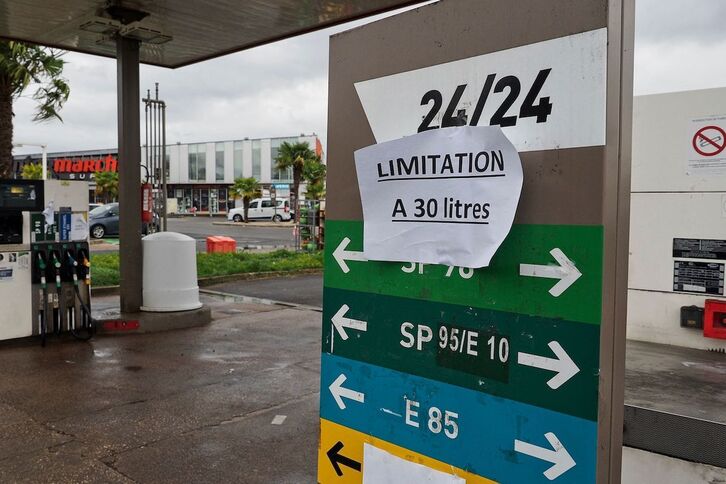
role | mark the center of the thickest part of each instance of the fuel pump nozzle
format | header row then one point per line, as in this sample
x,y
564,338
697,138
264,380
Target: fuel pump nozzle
x,y
73,263
85,266
41,269
42,296
72,266
56,263
83,269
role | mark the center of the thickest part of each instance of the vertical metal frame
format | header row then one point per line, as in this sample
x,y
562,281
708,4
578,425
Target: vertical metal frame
x,y
129,152
616,220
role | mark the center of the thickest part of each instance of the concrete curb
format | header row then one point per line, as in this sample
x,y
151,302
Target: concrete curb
x,y
226,296
277,225
212,280
151,322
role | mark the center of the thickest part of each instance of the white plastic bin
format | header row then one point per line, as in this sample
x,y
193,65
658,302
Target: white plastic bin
x,y
170,273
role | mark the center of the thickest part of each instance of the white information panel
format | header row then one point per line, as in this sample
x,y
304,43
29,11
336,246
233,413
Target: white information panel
x,y
545,96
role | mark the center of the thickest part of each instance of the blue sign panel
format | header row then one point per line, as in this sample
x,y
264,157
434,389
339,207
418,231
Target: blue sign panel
x,y
493,437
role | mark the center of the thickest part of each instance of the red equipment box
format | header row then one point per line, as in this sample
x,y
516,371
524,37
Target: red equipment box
x,y
714,319
218,243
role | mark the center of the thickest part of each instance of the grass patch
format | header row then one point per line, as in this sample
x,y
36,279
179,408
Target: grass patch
x,y
104,267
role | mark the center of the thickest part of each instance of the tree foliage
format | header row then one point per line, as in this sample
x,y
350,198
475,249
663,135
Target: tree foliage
x,y
22,66
246,189
314,170
32,171
314,173
315,190
107,185
295,155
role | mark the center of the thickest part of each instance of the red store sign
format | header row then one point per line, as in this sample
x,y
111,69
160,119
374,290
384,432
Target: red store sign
x,y
83,169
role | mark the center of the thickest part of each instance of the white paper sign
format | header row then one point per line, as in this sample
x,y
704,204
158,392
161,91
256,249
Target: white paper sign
x,y
79,226
446,196
380,467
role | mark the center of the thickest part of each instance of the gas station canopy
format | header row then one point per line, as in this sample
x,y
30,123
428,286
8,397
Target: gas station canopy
x,y
175,34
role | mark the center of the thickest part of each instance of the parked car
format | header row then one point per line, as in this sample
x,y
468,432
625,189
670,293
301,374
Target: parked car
x,y
92,206
103,221
263,209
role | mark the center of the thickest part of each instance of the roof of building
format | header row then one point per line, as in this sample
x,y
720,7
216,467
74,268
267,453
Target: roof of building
x,y
175,34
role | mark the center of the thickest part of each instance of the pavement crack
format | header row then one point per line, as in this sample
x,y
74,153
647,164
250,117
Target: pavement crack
x,y
111,464
243,416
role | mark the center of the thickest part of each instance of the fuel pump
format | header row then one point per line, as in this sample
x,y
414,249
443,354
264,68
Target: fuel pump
x,y
44,259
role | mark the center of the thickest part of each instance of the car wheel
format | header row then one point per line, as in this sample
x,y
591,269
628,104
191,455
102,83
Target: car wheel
x,y
98,231
277,218
237,218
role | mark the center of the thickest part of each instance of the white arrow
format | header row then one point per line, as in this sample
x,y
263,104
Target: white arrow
x,y
339,392
562,365
341,322
566,272
341,255
561,459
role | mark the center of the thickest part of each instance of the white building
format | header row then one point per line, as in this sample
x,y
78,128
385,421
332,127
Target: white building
x,y
677,214
200,174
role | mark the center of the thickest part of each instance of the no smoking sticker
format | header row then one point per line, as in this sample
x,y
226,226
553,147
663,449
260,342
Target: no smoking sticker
x,y
709,141
707,146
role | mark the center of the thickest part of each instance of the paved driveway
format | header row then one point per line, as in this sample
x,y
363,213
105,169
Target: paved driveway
x,y
183,406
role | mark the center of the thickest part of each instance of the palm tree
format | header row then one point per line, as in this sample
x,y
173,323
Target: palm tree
x,y
314,170
32,171
107,185
20,66
246,189
315,190
294,155
314,173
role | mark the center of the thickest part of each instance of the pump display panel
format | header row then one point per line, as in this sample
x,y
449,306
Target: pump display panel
x,y
21,195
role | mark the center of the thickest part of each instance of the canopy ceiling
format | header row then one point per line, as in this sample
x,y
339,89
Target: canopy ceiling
x,y
175,33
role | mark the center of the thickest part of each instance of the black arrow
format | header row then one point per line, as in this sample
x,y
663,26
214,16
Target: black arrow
x,y
337,459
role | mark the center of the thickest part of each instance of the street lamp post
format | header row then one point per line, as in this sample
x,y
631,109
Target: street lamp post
x,y
44,155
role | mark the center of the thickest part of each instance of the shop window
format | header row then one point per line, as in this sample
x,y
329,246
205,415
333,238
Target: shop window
x,y
256,159
197,162
238,159
219,162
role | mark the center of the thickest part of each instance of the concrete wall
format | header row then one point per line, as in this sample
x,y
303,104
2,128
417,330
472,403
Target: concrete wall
x,y
640,467
669,202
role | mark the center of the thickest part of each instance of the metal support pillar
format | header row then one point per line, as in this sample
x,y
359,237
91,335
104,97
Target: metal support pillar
x,y
129,192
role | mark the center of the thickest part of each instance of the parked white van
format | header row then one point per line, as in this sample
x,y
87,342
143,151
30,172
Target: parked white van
x,y
263,209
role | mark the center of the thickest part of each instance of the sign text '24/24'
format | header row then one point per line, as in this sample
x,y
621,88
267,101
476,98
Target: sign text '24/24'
x,y
453,117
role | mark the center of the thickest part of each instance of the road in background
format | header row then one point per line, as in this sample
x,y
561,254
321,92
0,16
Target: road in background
x,y
201,227
306,289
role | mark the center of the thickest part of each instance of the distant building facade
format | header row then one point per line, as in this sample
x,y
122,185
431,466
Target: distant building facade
x,y
199,174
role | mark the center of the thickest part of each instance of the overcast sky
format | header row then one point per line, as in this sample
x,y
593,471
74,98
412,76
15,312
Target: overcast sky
x,y
281,89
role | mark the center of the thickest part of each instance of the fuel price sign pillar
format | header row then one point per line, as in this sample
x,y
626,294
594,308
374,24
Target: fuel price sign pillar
x,y
511,373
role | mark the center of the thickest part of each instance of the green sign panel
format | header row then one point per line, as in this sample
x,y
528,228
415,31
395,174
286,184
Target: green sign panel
x,y
546,362
552,271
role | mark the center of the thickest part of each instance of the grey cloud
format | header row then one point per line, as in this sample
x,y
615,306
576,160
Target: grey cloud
x,y
669,21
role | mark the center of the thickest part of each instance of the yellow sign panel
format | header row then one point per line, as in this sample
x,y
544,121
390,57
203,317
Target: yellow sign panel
x,y
340,456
